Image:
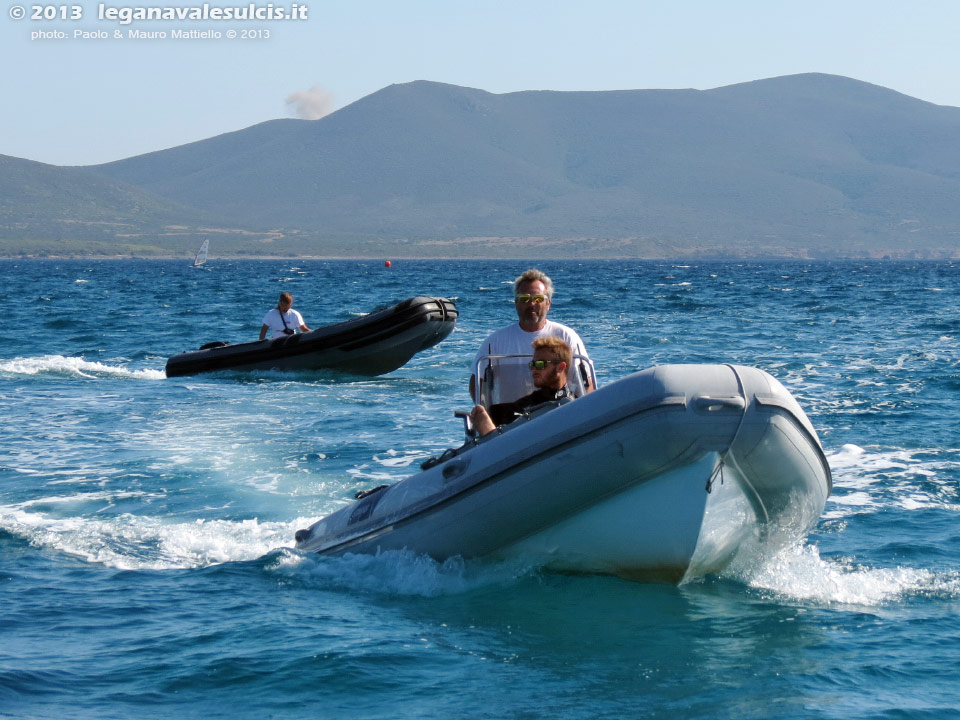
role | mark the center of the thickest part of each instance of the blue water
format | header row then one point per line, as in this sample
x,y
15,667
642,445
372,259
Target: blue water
x,y
146,524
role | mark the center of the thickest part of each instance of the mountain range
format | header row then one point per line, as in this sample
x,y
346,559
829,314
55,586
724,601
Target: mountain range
x,y
806,165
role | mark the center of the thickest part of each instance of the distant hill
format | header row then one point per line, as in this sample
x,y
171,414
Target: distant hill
x,y
50,210
804,165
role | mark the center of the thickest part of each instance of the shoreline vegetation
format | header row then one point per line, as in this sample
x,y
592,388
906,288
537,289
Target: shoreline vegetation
x,y
515,258
492,248
530,256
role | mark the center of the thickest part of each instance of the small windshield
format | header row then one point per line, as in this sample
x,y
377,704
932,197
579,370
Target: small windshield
x,y
505,378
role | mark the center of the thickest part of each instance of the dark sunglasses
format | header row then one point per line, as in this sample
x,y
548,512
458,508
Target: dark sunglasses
x,y
527,297
541,364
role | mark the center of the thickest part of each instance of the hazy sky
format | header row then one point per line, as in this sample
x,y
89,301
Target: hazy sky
x,y
83,101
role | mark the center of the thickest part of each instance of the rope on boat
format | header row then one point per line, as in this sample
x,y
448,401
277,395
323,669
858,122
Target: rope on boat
x,y
736,434
725,455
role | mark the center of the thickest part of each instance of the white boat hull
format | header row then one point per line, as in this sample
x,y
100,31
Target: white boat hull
x,y
663,475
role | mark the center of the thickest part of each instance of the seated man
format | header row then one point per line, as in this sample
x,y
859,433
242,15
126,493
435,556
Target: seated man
x,y
552,358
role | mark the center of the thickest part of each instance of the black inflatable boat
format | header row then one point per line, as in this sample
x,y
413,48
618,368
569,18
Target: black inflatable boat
x,y
370,345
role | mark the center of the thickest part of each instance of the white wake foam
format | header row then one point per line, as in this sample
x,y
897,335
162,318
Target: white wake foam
x,y
73,366
865,482
129,542
799,573
869,481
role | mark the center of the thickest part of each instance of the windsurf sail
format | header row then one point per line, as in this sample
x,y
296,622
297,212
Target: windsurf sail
x,y
201,257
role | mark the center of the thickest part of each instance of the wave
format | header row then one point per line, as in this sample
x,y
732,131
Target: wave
x,y
797,572
74,367
129,542
870,481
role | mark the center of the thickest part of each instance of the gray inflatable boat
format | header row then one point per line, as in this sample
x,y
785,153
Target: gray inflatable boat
x,y
664,475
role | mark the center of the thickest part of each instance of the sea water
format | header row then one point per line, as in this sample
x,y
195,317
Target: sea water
x,y
146,524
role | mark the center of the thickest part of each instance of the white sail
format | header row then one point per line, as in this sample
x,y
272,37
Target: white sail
x,y
201,257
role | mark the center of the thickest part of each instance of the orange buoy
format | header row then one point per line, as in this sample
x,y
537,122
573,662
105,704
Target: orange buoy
x,y
388,264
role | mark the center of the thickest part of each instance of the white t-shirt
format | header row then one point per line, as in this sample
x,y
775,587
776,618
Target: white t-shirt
x,y
272,320
508,379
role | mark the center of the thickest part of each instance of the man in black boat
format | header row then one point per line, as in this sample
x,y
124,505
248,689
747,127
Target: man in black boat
x,y
551,359
283,319
507,381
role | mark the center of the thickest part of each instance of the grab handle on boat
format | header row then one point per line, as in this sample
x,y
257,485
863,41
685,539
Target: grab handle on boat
x,y
708,403
467,425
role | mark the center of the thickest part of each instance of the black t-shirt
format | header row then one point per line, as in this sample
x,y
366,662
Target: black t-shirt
x,y
505,413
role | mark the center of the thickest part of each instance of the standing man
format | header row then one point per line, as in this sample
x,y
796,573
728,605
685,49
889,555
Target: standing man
x,y
507,379
283,319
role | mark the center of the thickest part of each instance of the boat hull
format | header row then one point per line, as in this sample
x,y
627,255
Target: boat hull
x,y
374,344
663,475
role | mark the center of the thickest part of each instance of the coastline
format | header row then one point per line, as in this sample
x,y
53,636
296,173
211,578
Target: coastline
x,y
489,248
802,257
